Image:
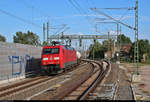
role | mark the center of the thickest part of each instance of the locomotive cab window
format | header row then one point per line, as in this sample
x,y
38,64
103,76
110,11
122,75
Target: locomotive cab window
x,y
51,51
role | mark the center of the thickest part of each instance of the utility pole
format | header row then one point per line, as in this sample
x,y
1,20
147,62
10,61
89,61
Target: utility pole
x,y
120,43
118,46
69,42
136,53
109,47
114,51
43,32
62,38
117,36
93,51
48,31
80,43
118,54
85,51
76,46
94,48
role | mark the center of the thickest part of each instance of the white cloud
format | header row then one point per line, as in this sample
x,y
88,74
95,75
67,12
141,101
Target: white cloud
x,y
112,32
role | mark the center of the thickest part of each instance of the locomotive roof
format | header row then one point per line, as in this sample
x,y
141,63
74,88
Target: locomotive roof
x,y
57,46
52,46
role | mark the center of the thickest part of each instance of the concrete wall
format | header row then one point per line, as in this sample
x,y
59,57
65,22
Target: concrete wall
x,y
18,59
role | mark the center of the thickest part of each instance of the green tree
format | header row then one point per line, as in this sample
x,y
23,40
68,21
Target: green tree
x,y
20,38
108,44
26,38
144,48
2,38
32,38
148,57
97,50
123,39
45,43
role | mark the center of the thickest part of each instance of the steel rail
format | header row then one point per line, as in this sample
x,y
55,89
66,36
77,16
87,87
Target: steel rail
x,y
74,85
18,84
18,88
95,83
65,93
8,90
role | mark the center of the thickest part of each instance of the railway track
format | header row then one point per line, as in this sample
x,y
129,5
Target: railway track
x,y
50,91
8,91
22,86
97,80
81,89
36,85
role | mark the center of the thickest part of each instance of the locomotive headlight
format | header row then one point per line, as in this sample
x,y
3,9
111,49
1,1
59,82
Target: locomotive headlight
x,y
45,59
56,58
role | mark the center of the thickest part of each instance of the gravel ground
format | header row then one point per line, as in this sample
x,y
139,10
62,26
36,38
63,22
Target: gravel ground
x,y
124,91
142,88
101,92
116,79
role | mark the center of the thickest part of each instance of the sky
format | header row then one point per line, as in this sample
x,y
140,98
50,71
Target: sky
x,y
24,15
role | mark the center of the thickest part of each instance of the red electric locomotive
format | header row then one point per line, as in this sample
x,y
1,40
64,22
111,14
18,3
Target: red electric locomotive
x,y
57,57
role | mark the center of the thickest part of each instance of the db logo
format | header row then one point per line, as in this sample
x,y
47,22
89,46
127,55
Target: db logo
x,y
50,58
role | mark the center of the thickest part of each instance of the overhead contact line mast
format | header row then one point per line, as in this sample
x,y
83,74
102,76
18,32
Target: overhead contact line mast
x,y
136,54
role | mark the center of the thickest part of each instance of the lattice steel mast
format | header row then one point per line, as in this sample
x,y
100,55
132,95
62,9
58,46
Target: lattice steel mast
x,y
136,49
